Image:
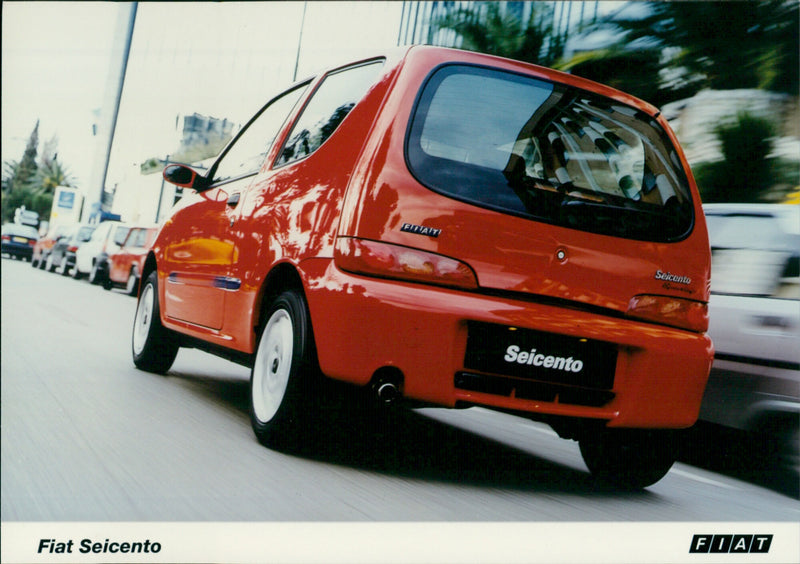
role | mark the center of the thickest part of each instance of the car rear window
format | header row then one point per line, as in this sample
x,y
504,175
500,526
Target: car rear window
x,y
547,152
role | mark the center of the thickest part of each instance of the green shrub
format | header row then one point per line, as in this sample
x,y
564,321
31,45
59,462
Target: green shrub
x,y
746,173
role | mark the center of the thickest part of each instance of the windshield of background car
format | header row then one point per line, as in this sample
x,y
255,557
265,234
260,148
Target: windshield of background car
x,y
548,152
85,233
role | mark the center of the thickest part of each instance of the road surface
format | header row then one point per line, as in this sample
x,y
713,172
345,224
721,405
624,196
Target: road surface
x,y
87,437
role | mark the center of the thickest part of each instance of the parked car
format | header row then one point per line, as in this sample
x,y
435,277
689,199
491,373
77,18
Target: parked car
x,y
125,265
754,384
92,257
454,229
45,244
61,257
18,240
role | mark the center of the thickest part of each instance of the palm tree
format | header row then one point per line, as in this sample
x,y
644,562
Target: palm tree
x,y
51,174
487,28
719,44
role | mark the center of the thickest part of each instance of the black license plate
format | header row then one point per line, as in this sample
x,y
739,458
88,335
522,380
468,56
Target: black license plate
x,y
525,353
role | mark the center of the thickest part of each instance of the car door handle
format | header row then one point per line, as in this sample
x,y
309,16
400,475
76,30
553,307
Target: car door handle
x,y
234,199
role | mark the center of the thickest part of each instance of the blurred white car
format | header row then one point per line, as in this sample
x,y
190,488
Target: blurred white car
x,y
92,257
755,322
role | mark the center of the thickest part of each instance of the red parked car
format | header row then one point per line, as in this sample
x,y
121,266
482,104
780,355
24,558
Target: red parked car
x,y
125,265
455,229
45,245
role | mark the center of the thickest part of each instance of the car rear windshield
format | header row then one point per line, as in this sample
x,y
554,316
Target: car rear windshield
x,y
548,152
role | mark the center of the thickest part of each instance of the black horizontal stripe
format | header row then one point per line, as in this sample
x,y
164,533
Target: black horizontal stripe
x,y
758,361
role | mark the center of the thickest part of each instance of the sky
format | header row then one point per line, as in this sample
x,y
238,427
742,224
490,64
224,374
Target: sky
x,y
55,60
217,59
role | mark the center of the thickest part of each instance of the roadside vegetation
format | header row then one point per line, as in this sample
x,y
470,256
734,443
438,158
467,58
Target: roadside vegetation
x,y
32,180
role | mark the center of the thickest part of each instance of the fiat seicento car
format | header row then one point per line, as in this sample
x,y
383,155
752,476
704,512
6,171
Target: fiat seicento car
x,y
453,229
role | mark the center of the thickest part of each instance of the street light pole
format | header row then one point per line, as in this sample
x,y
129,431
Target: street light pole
x,y
116,82
161,192
300,41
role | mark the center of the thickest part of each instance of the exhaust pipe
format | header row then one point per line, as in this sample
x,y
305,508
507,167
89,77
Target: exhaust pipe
x,y
387,392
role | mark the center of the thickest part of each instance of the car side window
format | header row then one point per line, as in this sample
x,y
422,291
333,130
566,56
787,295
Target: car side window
x,y
246,155
330,104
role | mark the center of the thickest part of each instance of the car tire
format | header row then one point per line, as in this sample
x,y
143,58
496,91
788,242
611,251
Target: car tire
x,y
132,285
284,372
154,346
41,263
76,274
35,262
629,459
94,274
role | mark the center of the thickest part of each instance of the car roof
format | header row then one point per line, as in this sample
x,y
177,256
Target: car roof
x,y
446,55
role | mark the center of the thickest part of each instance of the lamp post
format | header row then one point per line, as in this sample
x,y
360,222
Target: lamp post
x,y
161,191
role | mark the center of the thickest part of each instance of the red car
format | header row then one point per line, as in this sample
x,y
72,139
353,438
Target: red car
x,y
125,265
455,229
45,245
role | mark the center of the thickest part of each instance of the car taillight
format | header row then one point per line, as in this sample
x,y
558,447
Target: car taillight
x,y
72,248
372,258
6,238
667,310
32,242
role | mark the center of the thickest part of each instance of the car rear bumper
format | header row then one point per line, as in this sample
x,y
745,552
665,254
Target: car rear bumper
x,y
362,325
24,251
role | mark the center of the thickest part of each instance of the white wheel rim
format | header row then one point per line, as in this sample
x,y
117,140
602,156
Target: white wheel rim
x,y
272,366
144,317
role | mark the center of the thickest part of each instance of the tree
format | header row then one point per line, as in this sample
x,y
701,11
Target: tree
x,y
51,173
720,45
746,173
487,28
629,70
31,184
20,174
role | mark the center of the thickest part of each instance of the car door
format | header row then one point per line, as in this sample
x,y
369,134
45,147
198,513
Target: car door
x,y
199,262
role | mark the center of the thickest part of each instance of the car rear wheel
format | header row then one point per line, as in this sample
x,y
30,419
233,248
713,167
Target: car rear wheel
x,y
132,285
154,346
284,369
94,274
629,459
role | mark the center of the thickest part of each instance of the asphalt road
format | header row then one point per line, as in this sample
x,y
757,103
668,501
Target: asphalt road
x,y
87,437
